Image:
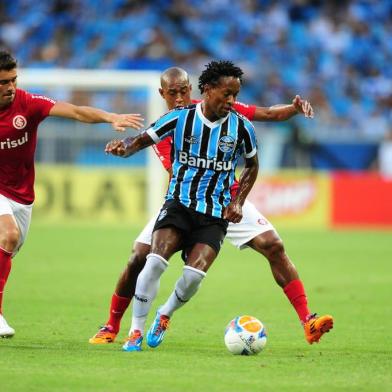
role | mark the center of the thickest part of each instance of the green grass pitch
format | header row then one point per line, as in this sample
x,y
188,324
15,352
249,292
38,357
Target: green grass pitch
x,y
59,291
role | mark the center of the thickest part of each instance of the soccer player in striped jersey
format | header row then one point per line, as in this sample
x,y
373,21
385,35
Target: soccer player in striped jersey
x,y
208,139
20,115
254,230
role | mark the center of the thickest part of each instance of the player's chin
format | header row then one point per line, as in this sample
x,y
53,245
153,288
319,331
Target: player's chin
x,y
6,99
223,113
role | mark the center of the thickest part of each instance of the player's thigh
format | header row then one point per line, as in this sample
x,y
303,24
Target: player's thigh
x,y
170,228
252,224
8,227
166,241
203,244
22,214
201,256
9,230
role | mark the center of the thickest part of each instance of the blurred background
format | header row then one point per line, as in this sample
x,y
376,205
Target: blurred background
x,y
332,171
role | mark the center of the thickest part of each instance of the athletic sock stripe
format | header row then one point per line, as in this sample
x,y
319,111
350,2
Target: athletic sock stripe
x,y
179,298
164,261
200,272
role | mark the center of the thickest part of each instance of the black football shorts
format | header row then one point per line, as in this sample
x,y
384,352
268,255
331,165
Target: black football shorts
x,y
194,226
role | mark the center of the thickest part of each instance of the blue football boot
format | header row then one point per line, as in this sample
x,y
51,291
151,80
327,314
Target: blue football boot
x,y
157,331
133,342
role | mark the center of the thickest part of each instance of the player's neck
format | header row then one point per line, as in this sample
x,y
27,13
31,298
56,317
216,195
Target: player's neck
x,y
208,113
5,106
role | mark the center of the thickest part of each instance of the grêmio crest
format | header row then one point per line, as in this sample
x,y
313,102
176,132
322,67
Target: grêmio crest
x,y
226,144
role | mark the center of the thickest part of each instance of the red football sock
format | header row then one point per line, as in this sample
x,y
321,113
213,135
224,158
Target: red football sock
x,y
117,308
5,268
295,292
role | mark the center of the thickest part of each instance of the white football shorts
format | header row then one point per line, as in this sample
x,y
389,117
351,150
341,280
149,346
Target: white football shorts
x,y
145,236
252,224
21,214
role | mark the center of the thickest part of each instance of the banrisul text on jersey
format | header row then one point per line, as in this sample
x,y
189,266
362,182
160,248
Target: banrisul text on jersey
x,y
205,155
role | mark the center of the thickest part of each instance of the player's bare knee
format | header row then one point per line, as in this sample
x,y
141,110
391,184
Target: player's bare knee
x,y
275,251
9,237
200,263
163,248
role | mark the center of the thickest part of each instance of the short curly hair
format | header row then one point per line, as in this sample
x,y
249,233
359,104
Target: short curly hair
x,y
7,62
215,70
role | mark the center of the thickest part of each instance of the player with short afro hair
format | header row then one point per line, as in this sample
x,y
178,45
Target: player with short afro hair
x,y
216,70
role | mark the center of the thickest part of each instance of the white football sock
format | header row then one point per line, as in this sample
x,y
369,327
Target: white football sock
x,y
147,286
186,287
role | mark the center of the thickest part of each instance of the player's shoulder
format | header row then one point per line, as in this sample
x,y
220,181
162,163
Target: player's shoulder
x,y
187,107
40,97
246,121
26,96
21,95
179,109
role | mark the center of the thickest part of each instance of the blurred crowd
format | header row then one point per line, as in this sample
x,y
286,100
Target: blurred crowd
x,y
336,53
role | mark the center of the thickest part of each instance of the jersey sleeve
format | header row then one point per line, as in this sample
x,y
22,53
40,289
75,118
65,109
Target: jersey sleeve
x,y
163,127
247,111
39,105
250,140
164,151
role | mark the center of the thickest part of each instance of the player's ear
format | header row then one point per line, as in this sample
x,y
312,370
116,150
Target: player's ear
x,y
206,89
161,92
190,87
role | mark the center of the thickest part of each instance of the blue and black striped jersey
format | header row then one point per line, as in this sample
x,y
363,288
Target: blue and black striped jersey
x,y
205,155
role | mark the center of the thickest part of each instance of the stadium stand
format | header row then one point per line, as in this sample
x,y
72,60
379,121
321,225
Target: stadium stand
x,y
335,53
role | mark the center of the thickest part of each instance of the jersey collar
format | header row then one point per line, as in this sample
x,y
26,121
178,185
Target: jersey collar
x,y
206,120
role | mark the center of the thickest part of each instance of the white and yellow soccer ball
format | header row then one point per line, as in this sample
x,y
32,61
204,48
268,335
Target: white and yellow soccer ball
x,y
245,335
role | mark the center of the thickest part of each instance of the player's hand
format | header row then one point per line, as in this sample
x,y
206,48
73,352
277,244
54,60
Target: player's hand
x,y
233,212
122,121
116,147
303,106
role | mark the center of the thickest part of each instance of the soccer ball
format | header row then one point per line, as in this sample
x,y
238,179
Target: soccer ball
x,y
245,335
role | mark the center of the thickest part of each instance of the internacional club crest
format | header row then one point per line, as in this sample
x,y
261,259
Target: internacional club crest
x,y
19,122
226,144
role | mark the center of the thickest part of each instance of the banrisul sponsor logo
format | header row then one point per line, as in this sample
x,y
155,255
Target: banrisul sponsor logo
x,y
226,144
204,163
8,143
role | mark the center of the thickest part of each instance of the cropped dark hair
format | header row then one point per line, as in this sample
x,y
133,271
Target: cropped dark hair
x,y
215,70
7,61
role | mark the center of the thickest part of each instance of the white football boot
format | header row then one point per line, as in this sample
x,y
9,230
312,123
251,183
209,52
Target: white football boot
x,y
5,330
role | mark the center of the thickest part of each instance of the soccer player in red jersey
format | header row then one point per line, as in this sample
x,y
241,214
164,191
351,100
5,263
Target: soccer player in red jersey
x,y
254,230
20,115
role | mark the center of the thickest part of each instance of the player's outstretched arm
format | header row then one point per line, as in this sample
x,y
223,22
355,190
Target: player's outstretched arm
x,y
89,114
284,112
128,146
233,212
